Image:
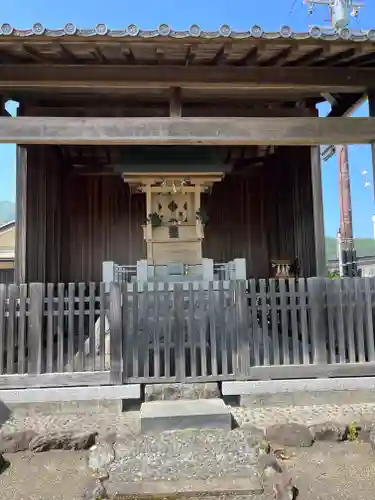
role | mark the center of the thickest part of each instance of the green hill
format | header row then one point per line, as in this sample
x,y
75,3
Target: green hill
x,y
365,247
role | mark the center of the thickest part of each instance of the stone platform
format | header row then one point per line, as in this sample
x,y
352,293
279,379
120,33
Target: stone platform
x,y
197,488
159,416
194,458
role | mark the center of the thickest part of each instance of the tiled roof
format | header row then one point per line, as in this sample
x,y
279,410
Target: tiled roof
x,y
7,225
166,31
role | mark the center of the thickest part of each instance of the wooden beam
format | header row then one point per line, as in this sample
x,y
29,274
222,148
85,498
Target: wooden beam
x,y
337,57
138,109
93,77
175,106
34,54
279,58
221,55
345,104
165,131
308,58
21,213
250,57
317,193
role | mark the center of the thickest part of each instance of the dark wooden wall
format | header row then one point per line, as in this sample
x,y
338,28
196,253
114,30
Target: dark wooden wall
x,y
266,215
76,222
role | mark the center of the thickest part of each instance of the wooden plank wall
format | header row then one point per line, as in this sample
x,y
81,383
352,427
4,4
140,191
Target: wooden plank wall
x,y
77,222
45,216
266,215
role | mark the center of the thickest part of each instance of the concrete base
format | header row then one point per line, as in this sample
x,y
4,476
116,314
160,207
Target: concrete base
x,y
282,393
216,487
240,388
63,394
159,416
173,392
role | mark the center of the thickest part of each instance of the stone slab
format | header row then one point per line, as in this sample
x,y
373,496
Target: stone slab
x,y
184,456
301,385
221,486
172,392
159,416
44,395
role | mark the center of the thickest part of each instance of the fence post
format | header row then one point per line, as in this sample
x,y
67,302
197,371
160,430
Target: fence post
x,y
3,294
243,330
179,316
319,331
35,331
108,273
115,328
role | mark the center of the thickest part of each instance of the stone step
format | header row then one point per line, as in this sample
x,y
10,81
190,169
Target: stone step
x,y
183,457
159,416
215,487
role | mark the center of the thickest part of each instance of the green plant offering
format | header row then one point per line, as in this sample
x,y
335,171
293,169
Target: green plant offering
x,y
155,219
202,216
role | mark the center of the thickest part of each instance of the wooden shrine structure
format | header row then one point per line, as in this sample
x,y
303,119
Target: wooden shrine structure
x,y
85,95
88,100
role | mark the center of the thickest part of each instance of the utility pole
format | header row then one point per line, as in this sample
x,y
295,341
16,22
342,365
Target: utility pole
x,y
346,244
340,12
346,222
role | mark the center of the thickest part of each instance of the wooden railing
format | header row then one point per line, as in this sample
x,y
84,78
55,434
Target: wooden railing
x,y
78,334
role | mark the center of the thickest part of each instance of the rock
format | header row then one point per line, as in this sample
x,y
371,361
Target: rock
x,y
5,413
253,434
290,435
16,441
4,464
62,441
172,392
270,465
100,457
328,431
372,438
284,488
95,492
364,429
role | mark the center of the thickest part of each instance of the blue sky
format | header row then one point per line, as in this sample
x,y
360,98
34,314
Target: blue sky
x,y
210,14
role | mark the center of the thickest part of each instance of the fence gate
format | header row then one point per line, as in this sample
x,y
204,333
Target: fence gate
x,y
186,333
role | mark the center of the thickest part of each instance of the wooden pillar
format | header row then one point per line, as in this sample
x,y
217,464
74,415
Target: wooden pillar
x,y
371,105
21,215
317,193
175,106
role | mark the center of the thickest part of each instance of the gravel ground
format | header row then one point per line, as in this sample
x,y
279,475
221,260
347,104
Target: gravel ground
x,y
46,476
182,455
127,423
326,471
104,422
334,471
308,415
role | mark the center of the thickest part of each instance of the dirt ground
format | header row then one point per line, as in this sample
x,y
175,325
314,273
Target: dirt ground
x,y
55,475
338,471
